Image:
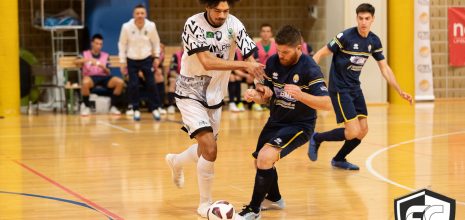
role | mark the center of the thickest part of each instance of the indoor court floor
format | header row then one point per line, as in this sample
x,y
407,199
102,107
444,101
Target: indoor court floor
x,y
105,167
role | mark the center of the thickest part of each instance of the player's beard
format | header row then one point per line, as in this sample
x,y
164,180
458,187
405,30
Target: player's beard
x,y
290,61
218,22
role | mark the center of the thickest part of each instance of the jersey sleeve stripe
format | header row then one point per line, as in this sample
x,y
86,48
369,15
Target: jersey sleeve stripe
x,y
316,81
338,43
378,50
197,50
356,53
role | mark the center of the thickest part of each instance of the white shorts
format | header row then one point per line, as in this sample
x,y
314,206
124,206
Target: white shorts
x,y
197,118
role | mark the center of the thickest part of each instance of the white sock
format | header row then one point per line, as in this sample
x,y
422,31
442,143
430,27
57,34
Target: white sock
x,y
187,156
205,174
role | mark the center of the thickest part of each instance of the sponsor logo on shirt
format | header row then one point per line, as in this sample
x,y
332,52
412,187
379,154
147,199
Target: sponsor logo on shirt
x,y
355,46
358,60
281,94
369,47
210,34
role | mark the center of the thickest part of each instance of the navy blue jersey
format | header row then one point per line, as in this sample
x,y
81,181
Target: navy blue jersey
x,y
350,52
307,75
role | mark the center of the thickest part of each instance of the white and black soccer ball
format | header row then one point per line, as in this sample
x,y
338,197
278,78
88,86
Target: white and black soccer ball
x,y
221,210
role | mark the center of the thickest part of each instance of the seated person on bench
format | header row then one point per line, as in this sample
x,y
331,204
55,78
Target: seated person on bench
x,y
95,72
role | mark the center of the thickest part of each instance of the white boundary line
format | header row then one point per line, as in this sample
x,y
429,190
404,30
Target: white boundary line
x,y
369,161
115,126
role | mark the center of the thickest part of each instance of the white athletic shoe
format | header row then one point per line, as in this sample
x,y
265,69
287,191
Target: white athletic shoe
x,y
240,107
248,214
129,112
136,115
85,111
162,111
202,210
257,107
233,107
177,175
171,109
270,205
156,114
114,111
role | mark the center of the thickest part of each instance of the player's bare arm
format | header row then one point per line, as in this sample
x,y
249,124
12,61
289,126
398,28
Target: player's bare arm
x,y
81,61
322,53
210,62
315,102
391,79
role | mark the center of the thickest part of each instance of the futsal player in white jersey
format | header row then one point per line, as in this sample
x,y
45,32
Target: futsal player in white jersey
x,y
209,39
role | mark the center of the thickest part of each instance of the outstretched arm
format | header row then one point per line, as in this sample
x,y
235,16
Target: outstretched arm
x,y
210,62
391,79
323,52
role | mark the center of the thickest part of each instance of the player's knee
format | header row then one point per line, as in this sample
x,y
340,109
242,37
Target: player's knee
x,y
86,83
210,153
119,82
352,133
266,159
209,150
363,133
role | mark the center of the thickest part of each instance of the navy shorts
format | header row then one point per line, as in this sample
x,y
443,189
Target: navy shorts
x,y
286,137
348,105
101,80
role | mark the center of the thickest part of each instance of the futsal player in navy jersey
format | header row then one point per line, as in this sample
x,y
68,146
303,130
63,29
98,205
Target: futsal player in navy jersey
x,y
351,49
297,90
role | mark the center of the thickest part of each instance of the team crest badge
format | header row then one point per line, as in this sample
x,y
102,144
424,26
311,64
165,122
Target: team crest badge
x,y
355,46
230,33
218,35
295,78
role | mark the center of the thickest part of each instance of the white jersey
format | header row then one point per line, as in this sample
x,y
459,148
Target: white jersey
x,y
194,82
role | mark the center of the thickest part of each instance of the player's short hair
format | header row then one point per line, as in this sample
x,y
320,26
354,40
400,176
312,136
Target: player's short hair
x,y
266,25
288,35
139,6
97,36
214,3
365,7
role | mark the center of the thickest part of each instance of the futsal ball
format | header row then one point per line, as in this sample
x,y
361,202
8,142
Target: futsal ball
x,y
221,210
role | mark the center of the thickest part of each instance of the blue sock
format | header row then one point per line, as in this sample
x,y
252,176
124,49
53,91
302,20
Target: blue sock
x,y
333,135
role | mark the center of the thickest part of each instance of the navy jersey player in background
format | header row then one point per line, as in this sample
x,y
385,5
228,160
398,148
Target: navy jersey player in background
x,y
351,48
298,89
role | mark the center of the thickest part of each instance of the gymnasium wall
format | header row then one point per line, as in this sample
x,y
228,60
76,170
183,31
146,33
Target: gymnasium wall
x,y
38,41
170,16
449,82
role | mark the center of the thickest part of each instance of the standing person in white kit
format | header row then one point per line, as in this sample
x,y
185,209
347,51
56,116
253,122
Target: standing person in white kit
x,y
209,41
